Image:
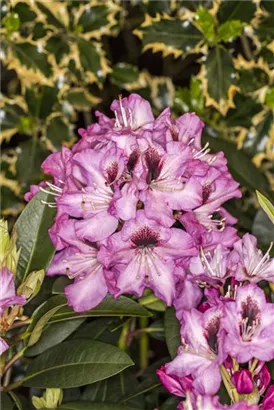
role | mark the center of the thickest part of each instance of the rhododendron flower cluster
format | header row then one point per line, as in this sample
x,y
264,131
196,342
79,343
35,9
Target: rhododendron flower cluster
x,y
140,205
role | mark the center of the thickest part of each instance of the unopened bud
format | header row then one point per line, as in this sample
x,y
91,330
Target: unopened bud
x,y
243,382
8,253
31,286
51,399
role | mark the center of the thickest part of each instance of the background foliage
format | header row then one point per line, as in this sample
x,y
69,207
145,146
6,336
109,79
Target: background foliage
x,y
63,59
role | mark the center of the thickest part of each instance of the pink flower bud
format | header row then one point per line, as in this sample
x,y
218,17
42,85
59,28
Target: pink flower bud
x,y
268,401
242,379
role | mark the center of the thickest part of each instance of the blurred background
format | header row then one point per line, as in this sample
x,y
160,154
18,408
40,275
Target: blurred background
x,y
61,60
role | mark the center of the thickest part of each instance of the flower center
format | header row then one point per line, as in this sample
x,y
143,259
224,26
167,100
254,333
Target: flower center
x,y
153,162
211,331
250,319
145,237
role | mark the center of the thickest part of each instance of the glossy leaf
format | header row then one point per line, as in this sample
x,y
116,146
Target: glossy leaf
x,y
170,35
263,229
52,335
230,30
6,401
220,73
57,131
29,56
172,332
31,154
267,206
72,364
92,406
206,22
112,389
42,315
243,170
32,228
236,10
109,307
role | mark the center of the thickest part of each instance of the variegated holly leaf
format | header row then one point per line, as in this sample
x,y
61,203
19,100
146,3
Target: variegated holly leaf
x,y
169,35
245,108
256,140
236,10
81,99
220,78
10,114
97,18
125,75
58,131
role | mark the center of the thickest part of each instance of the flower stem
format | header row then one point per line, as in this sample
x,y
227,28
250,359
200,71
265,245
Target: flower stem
x,y
228,385
144,343
122,343
14,359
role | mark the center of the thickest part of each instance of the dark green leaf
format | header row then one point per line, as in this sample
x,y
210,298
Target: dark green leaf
x,y
10,203
30,57
124,74
28,166
173,34
9,119
170,404
92,406
220,73
24,12
263,229
50,16
267,5
52,335
256,139
90,58
72,364
20,401
99,329
59,285
236,10
109,307
32,228
112,389
243,170
57,131
245,109
253,79
81,99
265,29
6,402
172,332
94,18
58,46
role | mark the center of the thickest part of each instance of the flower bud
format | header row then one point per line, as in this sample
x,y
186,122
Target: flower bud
x,y
174,384
51,399
242,379
31,286
8,253
268,401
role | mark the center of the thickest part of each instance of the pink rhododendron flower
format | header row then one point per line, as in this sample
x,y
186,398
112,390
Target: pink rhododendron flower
x,y
252,265
249,323
8,295
3,345
202,351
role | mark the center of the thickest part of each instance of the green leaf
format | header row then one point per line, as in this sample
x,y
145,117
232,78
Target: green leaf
x,y
41,317
171,35
58,46
265,29
230,30
11,22
52,335
267,206
30,57
90,58
96,19
257,138
92,406
24,12
52,20
31,154
57,131
269,97
172,332
220,73
20,401
72,364
100,329
59,285
252,79
32,228
242,169
245,109
170,404
6,402
206,23
10,118
112,389
236,10
81,99
124,74
262,229
108,307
